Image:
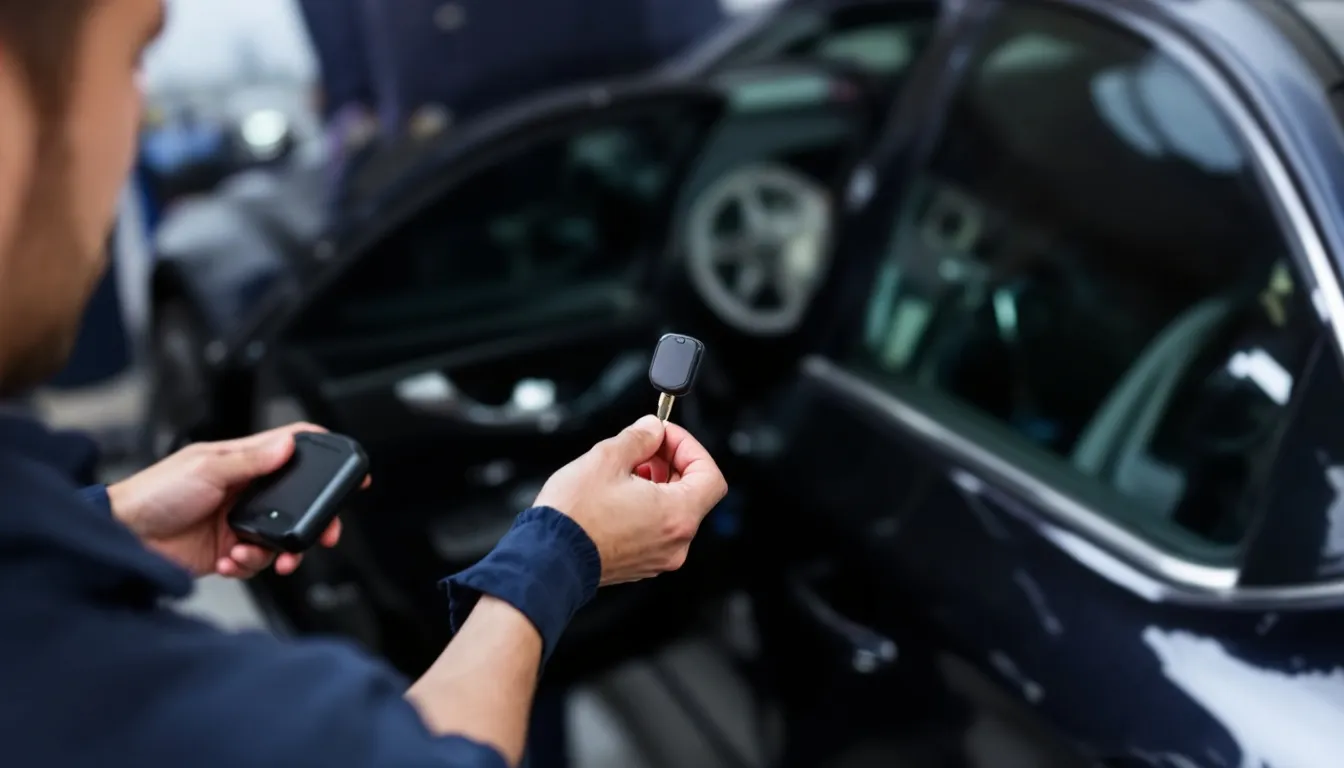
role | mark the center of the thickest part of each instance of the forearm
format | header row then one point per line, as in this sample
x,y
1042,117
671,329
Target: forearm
x,y
481,687
507,612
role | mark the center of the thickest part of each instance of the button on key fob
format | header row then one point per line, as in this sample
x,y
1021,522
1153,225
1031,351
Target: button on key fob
x,y
676,360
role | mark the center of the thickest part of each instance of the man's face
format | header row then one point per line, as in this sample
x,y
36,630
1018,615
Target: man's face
x,y
54,231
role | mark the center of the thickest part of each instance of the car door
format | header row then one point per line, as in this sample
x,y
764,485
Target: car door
x,y
498,321
1077,344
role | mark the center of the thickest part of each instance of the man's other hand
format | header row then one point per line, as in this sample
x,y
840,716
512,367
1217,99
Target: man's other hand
x,y
179,507
640,496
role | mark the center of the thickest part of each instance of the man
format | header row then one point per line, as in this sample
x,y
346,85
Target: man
x,y
96,672
415,67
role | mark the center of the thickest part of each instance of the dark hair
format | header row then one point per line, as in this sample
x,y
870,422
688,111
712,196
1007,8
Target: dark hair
x,y
40,36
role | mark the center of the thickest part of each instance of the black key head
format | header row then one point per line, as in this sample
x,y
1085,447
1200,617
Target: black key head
x,y
676,360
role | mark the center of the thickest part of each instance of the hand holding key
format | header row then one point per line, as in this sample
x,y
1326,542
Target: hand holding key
x,y
641,528
640,496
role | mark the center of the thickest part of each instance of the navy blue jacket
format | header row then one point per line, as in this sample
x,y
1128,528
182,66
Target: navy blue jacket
x,y
336,28
467,55
98,672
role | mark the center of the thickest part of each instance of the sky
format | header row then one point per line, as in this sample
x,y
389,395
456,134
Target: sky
x,y
205,40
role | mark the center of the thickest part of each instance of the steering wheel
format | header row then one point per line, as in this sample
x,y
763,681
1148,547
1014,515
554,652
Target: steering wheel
x,y
758,246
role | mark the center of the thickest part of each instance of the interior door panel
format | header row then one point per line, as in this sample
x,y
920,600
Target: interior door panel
x,y
572,375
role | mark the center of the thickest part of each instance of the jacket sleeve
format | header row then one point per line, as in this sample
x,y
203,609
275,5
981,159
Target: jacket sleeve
x,y
158,688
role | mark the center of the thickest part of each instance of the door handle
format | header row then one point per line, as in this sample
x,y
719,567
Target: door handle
x,y
533,404
869,651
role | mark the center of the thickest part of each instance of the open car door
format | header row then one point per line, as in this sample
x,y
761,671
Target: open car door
x,y
495,320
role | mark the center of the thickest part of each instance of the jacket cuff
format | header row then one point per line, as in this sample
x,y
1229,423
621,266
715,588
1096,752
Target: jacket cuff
x,y
546,566
96,495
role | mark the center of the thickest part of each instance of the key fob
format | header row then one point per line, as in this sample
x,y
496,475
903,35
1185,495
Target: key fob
x,y
287,510
676,361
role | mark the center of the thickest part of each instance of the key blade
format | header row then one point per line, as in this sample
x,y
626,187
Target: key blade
x,y
665,402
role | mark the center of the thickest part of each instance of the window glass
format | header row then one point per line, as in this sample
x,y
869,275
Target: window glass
x,y
1327,16
564,221
1088,279
880,38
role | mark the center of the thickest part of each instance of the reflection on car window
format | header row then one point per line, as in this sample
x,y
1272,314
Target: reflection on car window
x,y
879,38
1088,279
1327,16
562,220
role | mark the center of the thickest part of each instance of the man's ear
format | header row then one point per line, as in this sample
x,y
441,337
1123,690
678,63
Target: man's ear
x,y
18,144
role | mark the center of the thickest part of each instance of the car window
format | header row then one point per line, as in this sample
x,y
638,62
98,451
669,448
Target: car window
x,y
1088,279
1327,16
880,38
560,222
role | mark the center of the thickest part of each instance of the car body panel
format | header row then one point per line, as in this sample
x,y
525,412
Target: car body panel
x,y
1093,645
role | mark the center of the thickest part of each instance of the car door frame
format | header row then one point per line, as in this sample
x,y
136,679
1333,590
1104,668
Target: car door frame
x,y
468,150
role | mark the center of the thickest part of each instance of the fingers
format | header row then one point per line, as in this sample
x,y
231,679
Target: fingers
x,y
242,460
332,535
635,444
288,563
247,458
654,470
269,436
236,462
244,561
700,476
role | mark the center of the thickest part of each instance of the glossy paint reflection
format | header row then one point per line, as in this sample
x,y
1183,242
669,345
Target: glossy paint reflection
x,y
1278,719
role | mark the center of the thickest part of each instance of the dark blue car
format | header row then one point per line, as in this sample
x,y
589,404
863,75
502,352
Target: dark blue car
x,y
1024,326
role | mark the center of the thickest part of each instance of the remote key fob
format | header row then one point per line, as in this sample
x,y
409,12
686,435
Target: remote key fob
x,y
289,509
676,360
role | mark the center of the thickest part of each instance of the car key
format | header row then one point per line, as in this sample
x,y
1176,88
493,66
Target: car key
x,y
676,360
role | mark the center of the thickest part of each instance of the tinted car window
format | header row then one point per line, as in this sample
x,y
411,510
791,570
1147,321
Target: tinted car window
x,y
1087,277
564,221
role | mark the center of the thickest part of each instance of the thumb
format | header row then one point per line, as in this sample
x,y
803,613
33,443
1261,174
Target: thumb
x,y
251,461
635,444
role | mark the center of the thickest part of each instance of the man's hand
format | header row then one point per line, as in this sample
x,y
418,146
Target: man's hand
x,y
179,507
640,496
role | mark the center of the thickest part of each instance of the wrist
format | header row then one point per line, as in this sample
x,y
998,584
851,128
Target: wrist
x,y
494,612
546,568
118,501
121,497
